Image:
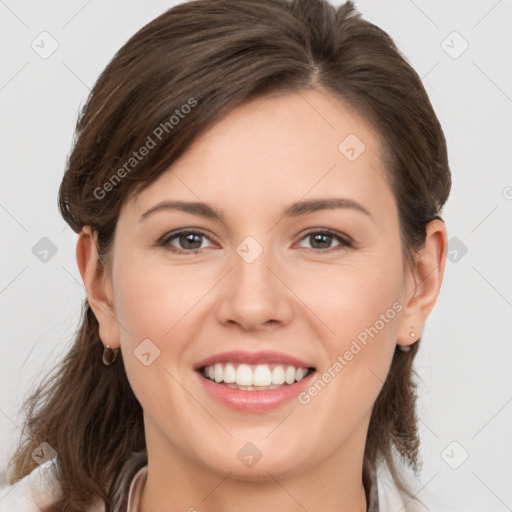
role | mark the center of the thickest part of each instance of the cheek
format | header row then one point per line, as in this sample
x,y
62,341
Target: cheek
x,y
152,303
361,306
151,300
157,306
357,297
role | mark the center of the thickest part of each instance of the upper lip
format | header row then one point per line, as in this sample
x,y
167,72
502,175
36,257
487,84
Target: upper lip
x,y
262,357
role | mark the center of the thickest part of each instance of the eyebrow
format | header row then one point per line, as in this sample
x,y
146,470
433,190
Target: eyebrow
x,y
293,210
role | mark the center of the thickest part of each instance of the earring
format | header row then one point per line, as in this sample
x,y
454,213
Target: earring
x,y
406,348
109,355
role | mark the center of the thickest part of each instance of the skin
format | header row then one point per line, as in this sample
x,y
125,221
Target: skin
x,y
296,297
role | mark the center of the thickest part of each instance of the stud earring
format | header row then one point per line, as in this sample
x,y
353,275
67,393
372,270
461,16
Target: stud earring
x,y
406,348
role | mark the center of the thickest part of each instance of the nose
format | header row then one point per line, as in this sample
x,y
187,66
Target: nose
x,y
255,295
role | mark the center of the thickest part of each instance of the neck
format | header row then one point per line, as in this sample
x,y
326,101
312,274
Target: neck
x,y
177,483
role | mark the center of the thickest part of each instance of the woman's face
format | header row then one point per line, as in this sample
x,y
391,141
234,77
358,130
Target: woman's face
x,y
255,275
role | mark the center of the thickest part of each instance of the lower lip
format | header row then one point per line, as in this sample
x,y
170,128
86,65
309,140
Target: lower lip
x,y
254,401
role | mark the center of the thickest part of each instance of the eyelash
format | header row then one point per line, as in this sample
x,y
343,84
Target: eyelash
x,y
344,241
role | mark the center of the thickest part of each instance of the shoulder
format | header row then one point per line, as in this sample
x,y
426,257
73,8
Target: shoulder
x,y
391,499
36,491
40,488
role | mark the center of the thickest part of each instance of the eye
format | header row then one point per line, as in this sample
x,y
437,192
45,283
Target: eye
x,y
192,241
322,240
189,241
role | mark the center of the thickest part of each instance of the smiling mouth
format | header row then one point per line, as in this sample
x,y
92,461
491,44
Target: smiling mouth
x,y
260,377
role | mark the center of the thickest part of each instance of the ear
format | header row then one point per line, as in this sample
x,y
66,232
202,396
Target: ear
x,y
423,283
98,286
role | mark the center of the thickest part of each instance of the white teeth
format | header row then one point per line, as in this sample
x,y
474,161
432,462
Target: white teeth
x,y
278,375
289,375
244,375
219,373
229,374
260,376
300,374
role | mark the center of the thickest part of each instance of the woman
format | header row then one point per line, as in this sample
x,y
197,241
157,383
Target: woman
x,y
257,188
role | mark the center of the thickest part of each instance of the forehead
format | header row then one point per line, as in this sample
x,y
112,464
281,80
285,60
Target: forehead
x,y
276,150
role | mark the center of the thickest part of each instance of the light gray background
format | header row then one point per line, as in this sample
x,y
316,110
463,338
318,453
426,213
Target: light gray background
x,y
465,361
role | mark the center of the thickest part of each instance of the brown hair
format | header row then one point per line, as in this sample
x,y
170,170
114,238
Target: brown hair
x,y
214,55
